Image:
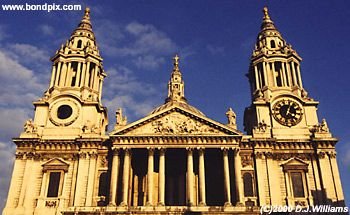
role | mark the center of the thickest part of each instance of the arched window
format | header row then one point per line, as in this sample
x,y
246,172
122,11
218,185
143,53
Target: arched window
x,y
248,184
79,44
273,44
103,185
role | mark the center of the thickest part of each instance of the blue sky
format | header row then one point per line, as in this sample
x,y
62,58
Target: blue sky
x,y
214,39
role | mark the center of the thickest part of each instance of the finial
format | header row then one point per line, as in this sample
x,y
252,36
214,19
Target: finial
x,y
87,12
176,60
266,13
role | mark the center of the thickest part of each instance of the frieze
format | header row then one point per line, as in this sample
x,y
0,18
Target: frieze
x,y
246,160
176,123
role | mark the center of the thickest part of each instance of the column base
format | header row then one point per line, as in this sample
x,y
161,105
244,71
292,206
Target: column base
x,y
228,204
239,204
149,204
111,204
123,204
160,204
202,204
190,204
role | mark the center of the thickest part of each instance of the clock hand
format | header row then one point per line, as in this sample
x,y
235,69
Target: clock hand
x,y
288,111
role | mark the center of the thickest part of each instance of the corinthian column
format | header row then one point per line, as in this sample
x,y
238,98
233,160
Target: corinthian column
x,y
202,178
161,179
239,183
150,176
227,178
126,173
114,178
190,190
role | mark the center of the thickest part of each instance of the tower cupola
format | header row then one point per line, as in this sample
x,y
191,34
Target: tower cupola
x,y
176,86
77,65
275,65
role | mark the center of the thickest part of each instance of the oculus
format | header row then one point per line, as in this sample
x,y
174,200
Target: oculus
x,y
64,112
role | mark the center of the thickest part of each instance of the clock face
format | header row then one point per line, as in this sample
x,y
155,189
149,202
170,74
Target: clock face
x,y
287,112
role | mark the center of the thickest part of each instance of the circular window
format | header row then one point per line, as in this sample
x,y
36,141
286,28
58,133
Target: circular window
x,y
64,111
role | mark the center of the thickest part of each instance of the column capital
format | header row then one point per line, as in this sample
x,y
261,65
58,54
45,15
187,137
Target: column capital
x,y
225,148
190,149
115,151
150,149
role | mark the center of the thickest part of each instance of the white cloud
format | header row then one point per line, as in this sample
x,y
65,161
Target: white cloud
x,y
141,41
123,89
20,86
215,50
46,29
7,151
3,33
27,53
343,150
148,62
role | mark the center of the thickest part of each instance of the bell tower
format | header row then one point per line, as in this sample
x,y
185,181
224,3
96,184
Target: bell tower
x,y
280,104
71,107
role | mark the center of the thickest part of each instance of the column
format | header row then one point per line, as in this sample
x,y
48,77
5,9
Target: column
x,y
87,74
96,79
126,172
294,74
161,179
265,74
190,183
100,88
91,178
288,202
150,176
83,75
239,182
79,72
273,74
227,177
337,182
68,75
63,75
58,71
114,178
300,81
256,78
53,74
202,196
284,79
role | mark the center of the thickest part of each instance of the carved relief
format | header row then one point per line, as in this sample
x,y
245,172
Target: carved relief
x,y
261,127
90,127
321,127
30,127
246,160
176,123
51,204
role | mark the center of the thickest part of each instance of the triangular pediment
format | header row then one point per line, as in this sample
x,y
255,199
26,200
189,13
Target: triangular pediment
x,y
175,121
294,163
55,164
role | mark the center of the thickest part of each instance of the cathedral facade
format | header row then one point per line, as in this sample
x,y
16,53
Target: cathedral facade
x,y
175,160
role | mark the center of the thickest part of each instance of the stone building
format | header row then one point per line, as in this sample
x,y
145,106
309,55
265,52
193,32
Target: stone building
x,y
175,160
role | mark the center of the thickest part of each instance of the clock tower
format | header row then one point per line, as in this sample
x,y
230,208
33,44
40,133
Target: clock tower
x,y
71,107
294,154
280,103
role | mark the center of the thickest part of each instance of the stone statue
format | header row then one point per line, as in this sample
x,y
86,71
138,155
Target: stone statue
x,y
323,127
29,126
231,118
120,119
